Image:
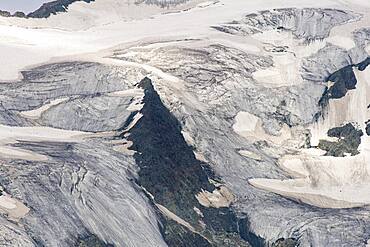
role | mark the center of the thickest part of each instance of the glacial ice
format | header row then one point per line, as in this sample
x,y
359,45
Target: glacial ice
x,y
243,79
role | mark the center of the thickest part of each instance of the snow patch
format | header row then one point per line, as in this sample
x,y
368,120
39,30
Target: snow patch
x,y
219,198
344,42
351,108
14,209
36,113
325,181
250,127
250,155
245,122
12,134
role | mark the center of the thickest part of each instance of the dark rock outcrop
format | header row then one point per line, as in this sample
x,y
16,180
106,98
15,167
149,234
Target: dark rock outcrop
x,y
46,10
285,242
59,6
349,138
173,176
53,7
343,80
5,13
16,14
363,65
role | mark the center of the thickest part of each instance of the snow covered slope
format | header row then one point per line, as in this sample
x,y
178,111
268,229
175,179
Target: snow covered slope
x,y
186,123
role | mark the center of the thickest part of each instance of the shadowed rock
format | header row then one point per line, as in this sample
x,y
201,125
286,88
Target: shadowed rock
x,y
170,172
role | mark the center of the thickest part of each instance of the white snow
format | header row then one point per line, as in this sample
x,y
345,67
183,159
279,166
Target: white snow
x,y
101,25
36,113
220,197
286,68
250,127
7,202
325,181
104,24
17,153
8,133
344,42
250,154
360,3
129,92
350,108
136,119
25,6
176,218
245,122
187,136
14,209
11,134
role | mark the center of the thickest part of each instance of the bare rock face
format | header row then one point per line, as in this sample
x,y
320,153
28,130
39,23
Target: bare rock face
x,y
53,7
349,138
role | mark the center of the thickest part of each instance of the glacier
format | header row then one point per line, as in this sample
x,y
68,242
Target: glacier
x,y
185,123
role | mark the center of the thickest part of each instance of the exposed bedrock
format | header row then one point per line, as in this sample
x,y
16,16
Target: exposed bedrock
x,y
60,6
349,138
53,7
175,179
344,80
218,83
176,172
16,14
222,79
363,65
46,10
341,81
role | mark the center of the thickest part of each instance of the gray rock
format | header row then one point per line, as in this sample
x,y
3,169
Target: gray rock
x,y
307,24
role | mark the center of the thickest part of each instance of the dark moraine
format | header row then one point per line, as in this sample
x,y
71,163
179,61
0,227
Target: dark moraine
x,y
170,172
